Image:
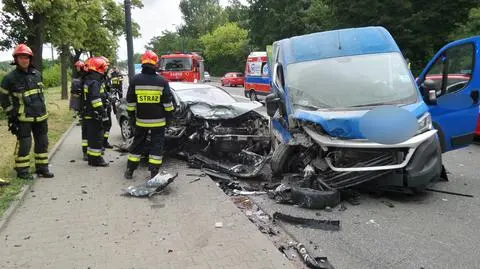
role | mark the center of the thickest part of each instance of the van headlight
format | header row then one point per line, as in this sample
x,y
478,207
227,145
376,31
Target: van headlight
x,y
424,123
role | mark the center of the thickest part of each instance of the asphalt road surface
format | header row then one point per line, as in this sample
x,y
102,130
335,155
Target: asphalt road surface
x,y
429,230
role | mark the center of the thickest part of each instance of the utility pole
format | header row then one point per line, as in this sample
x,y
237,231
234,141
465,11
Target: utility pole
x,y
128,30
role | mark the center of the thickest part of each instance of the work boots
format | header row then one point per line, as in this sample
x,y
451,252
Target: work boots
x,y
107,145
85,157
25,175
153,173
128,174
45,174
97,162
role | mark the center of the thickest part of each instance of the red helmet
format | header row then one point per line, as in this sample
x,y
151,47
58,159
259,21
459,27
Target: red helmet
x,y
105,59
149,57
97,64
80,64
22,49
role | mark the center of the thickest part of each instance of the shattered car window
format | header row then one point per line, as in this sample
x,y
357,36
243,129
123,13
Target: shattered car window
x,y
361,80
206,95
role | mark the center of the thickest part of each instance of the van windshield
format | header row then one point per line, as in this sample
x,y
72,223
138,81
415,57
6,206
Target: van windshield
x,y
176,64
353,81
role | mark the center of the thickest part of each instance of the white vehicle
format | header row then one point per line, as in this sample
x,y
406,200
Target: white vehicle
x,y
207,77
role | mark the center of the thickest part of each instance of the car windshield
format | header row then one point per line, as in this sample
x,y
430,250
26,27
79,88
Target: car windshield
x,y
206,95
353,81
176,64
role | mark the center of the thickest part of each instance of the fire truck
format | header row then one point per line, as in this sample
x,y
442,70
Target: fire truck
x,y
182,66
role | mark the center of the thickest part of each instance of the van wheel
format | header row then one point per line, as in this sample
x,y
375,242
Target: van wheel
x,y
283,159
253,96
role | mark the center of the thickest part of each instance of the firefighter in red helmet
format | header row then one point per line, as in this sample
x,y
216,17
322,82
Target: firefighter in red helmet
x,y
150,107
21,97
76,101
94,110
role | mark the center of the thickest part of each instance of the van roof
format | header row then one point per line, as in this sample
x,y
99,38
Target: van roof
x,y
338,43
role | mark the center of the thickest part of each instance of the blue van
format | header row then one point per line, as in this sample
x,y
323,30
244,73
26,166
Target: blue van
x,y
325,84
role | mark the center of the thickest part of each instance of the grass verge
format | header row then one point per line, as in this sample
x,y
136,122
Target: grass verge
x,y
59,120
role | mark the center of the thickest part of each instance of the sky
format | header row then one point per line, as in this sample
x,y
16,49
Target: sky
x,y
155,17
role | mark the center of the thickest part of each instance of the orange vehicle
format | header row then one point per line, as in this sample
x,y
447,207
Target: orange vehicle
x,y
186,67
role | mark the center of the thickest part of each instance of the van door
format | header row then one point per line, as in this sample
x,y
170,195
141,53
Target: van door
x,y
455,69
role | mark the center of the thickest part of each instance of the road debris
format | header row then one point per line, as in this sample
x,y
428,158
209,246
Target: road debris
x,y
314,263
389,204
17,245
218,224
155,206
27,237
195,180
328,225
152,186
239,192
54,198
289,252
84,192
445,199
449,192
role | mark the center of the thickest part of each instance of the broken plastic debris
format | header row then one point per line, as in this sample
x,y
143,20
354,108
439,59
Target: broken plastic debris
x,y
218,225
249,192
152,186
445,199
315,263
330,225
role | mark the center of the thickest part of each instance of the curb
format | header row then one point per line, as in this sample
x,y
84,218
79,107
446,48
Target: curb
x,y
25,189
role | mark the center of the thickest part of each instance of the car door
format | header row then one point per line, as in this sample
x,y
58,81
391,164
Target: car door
x,y
456,111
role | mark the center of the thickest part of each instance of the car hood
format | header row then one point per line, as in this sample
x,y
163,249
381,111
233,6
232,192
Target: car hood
x,y
345,124
219,111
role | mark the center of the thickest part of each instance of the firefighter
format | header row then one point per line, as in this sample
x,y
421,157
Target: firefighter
x,y
105,92
94,110
150,107
117,81
21,97
76,102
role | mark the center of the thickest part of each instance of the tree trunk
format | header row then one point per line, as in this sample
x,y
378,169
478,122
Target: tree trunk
x,y
64,55
37,39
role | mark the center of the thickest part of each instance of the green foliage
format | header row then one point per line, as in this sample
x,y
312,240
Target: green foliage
x,y
52,76
201,17
272,20
470,28
172,41
226,49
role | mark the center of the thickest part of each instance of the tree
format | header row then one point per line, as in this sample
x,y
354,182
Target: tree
x,y
201,17
419,27
238,13
226,49
24,22
470,28
170,41
272,20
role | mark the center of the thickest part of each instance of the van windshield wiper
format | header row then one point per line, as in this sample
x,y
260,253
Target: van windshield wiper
x,y
373,104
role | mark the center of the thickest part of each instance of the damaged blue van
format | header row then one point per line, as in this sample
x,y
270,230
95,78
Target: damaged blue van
x,y
343,101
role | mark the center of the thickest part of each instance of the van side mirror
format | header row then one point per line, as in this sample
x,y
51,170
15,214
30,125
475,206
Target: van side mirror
x,y
277,77
273,103
429,91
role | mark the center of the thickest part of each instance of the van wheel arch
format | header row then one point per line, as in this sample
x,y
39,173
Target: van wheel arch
x,y
441,135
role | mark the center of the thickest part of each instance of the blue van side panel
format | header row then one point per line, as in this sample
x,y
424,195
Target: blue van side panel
x,y
257,80
286,136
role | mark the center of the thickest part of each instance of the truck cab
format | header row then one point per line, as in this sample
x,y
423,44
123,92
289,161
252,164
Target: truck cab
x,y
345,106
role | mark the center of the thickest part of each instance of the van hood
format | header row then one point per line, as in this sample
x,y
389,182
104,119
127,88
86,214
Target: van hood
x,y
345,123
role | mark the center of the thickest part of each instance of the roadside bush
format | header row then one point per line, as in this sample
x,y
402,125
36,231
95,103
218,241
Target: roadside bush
x,y
52,76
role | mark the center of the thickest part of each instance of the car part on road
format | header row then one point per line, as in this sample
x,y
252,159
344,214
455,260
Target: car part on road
x,y
153,186
449,192
239,192
328,225
314,263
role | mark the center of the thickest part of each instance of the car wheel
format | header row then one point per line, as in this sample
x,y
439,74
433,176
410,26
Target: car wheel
x,y
253,95
125,128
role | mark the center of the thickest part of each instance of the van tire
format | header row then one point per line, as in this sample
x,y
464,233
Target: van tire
x,y
314,199
280,157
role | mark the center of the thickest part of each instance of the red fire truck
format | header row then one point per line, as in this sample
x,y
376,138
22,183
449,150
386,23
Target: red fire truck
x,y
179,66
